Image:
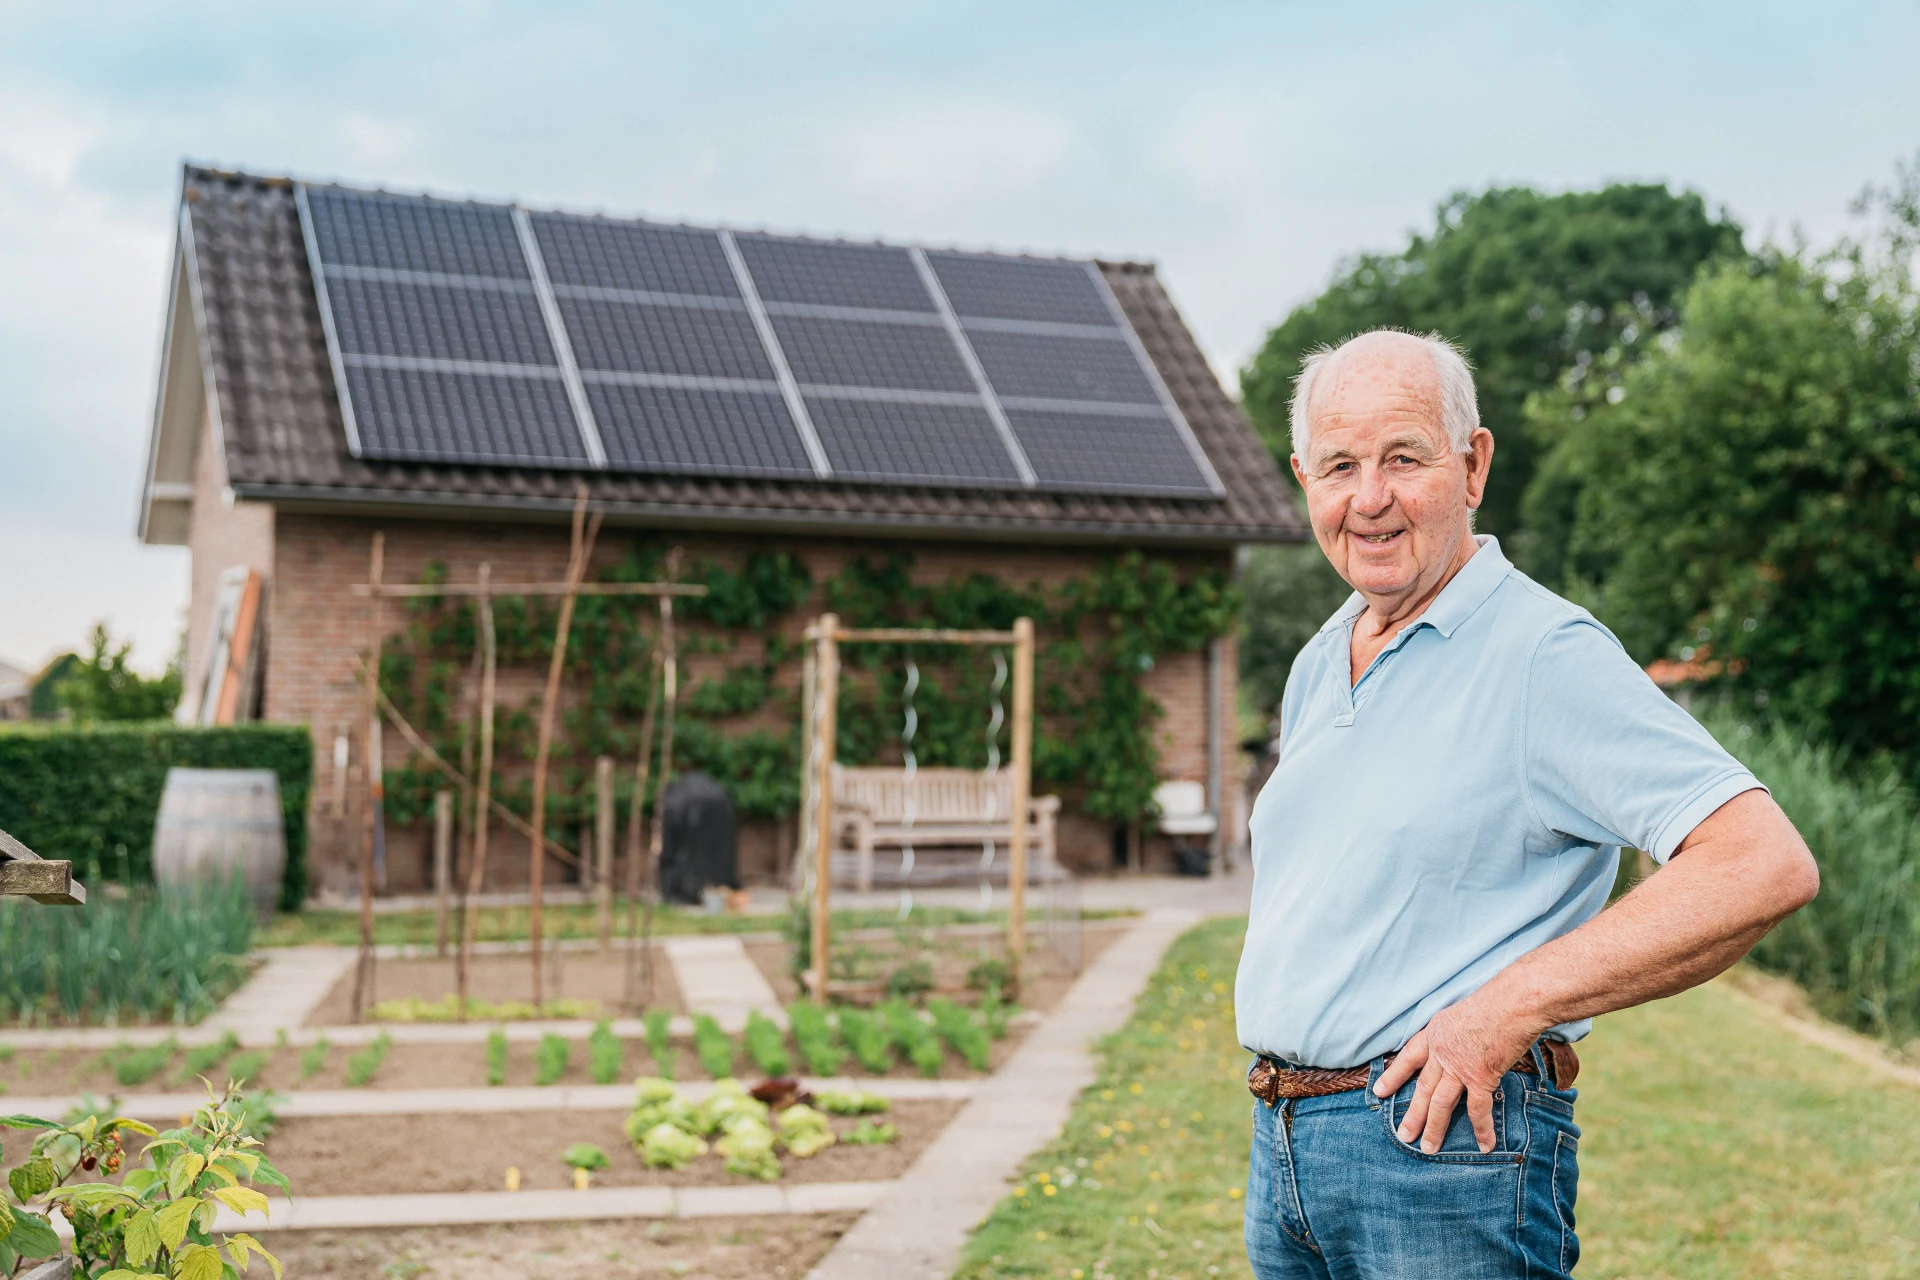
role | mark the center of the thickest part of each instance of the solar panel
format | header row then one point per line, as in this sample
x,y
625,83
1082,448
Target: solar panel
x,y
484,334
912,442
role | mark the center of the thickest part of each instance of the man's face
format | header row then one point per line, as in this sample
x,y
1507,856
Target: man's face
x,y
1391,502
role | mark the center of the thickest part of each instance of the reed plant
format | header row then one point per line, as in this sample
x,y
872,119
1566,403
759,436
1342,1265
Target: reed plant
x,y
143,958
1855,948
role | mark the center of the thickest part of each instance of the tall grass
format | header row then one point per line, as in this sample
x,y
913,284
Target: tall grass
x,y
146,957
1856,947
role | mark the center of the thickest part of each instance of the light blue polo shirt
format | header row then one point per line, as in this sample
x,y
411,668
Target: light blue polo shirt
x,y
1463,804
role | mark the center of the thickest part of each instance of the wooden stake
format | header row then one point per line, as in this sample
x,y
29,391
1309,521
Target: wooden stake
x,y
363,968
603,849
1022,798
826,693
483,792
669,696
549,706
636,822
442,867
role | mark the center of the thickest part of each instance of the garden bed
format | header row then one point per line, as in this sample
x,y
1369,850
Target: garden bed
x,y
392,1155
597,977
698,1248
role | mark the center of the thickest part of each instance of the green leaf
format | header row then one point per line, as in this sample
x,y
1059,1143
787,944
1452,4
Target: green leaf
x,y
173,1220
26,1122
142,1237
272,1177
7,1258
6,1219
197,1262
240,1242
241,1199
34,1178
125,1122
32,1236
121,1273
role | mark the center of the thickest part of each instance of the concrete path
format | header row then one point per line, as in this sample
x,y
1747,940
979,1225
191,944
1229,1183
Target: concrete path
x,y
283,992
386,1102
463,1208
917,1229
718,978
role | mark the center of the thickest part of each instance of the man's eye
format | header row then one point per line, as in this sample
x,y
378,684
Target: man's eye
x,y
1340,466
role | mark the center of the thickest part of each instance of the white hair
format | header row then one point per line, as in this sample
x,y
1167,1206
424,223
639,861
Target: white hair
x,y
1459,410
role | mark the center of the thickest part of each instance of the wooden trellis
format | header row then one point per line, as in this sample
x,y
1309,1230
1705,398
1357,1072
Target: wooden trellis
x,y
25,874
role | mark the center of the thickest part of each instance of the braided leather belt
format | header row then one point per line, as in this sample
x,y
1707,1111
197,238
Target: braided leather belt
x,y
1270,1080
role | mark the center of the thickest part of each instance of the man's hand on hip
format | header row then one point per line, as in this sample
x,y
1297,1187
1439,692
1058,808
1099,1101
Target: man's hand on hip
x,y
1462,1052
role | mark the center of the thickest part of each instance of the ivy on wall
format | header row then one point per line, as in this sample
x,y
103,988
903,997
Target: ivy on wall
x,y
1094,737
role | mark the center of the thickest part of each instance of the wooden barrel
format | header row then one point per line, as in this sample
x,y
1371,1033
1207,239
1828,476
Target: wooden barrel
x,y
217,823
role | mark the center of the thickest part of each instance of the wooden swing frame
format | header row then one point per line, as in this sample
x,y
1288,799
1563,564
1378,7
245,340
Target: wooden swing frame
x,y
820,702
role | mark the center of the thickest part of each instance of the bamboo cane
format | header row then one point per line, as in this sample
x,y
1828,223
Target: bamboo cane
x,y
669,688
483,793
363,966
636,821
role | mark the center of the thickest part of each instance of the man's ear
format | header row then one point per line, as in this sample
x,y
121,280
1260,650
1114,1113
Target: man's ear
x,y
1299,472
1479,465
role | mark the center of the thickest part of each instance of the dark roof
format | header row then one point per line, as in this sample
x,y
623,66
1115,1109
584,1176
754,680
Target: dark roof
x,y
279,419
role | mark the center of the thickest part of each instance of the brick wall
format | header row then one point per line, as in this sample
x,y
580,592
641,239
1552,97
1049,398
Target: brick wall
x,y
318,628
221,533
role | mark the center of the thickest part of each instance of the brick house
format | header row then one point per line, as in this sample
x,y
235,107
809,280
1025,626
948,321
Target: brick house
x,y
251,463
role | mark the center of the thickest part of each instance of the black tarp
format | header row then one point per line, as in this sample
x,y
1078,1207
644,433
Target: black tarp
x,y
697,845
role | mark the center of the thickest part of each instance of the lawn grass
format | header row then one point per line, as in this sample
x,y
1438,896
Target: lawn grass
x,y
1717,1147
511,924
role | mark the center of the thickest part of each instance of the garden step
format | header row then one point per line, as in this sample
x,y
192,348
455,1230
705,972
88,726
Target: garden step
x,y
718,978
169,1107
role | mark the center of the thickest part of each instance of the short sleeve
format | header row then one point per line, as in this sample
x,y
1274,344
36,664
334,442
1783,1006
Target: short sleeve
x,y
1611,759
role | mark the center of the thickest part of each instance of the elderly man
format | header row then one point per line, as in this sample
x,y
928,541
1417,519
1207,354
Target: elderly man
x,y
1462,756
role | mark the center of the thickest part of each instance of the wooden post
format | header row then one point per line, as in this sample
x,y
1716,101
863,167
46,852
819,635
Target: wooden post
x,y
603,848
636,839
826,694
482,792
804,829
581,550
1022,797
669,694
442,867
363,967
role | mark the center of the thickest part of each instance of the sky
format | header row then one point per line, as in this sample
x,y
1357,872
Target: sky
x,y
1246,148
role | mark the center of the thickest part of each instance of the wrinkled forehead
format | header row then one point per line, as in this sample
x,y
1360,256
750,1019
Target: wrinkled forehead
x,y
1375,393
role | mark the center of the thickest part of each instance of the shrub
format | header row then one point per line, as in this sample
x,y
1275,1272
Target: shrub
x,y
868,1040
362,1065
814,1033
606,1058
991,976
90,794
1855,947
714,1046
766,1044
660,1041
203,1059
496,1057
147,957
967,1037
314,1057
911,980
550,1059
915,1040
137,1066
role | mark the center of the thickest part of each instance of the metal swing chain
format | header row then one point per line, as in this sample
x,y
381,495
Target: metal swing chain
x,y
911,767
995,721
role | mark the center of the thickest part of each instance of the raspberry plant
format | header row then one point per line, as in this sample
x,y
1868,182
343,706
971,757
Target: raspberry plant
x,y
156,1221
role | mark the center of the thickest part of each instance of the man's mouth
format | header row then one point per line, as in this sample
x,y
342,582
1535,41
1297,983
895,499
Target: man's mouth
x,y
1379,539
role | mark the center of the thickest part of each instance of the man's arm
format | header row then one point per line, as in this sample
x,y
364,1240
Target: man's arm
x,y
1740,872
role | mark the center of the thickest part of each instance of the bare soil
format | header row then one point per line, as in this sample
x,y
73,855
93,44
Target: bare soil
x,y
696,1249
596,976
391,1155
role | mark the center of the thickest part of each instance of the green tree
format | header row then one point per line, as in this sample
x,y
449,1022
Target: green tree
x,y
1749,491
1531,284
101,686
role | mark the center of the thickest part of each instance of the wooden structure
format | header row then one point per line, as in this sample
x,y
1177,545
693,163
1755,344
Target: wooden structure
x,y
25,874
820,713
954,813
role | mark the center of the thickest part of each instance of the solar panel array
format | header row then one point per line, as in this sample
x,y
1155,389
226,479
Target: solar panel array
x,y
474,333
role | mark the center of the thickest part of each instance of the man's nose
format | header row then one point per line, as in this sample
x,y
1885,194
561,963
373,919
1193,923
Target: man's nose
x,y
1375,494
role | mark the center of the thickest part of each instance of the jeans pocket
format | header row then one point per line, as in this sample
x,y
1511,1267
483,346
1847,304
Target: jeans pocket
x,y
1566,1188
1460,1146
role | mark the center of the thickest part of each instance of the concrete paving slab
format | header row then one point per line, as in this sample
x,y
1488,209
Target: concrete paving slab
x,y
717,977
283,992
730,1202
916,1230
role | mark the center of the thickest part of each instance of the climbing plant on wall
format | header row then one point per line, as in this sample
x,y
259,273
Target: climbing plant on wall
x,y
1094,736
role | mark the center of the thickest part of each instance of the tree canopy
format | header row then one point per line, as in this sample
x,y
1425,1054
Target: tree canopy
x,y
1529,283
101,686
1748,491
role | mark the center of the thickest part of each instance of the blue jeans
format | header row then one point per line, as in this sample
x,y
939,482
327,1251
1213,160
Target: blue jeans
x,y
1333,1194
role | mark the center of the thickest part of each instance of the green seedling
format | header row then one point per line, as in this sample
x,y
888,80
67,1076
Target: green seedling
x,y
660,1041
497,1056
962,1033
314,1057
362,1065
915,1040
819,1044
606,1057
137,1066
767,1045
714,1046
550,1059
244,1067
868,1040
205,1059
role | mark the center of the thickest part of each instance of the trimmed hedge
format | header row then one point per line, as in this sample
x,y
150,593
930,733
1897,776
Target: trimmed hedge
x,y
91,794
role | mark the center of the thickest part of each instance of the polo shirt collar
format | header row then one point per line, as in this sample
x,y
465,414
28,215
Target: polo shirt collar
x,y
1459,600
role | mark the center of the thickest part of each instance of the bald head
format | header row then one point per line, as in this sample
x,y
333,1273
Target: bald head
x,y
1420,373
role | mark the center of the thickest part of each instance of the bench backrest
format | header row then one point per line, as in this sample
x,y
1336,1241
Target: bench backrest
x,y
939,795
